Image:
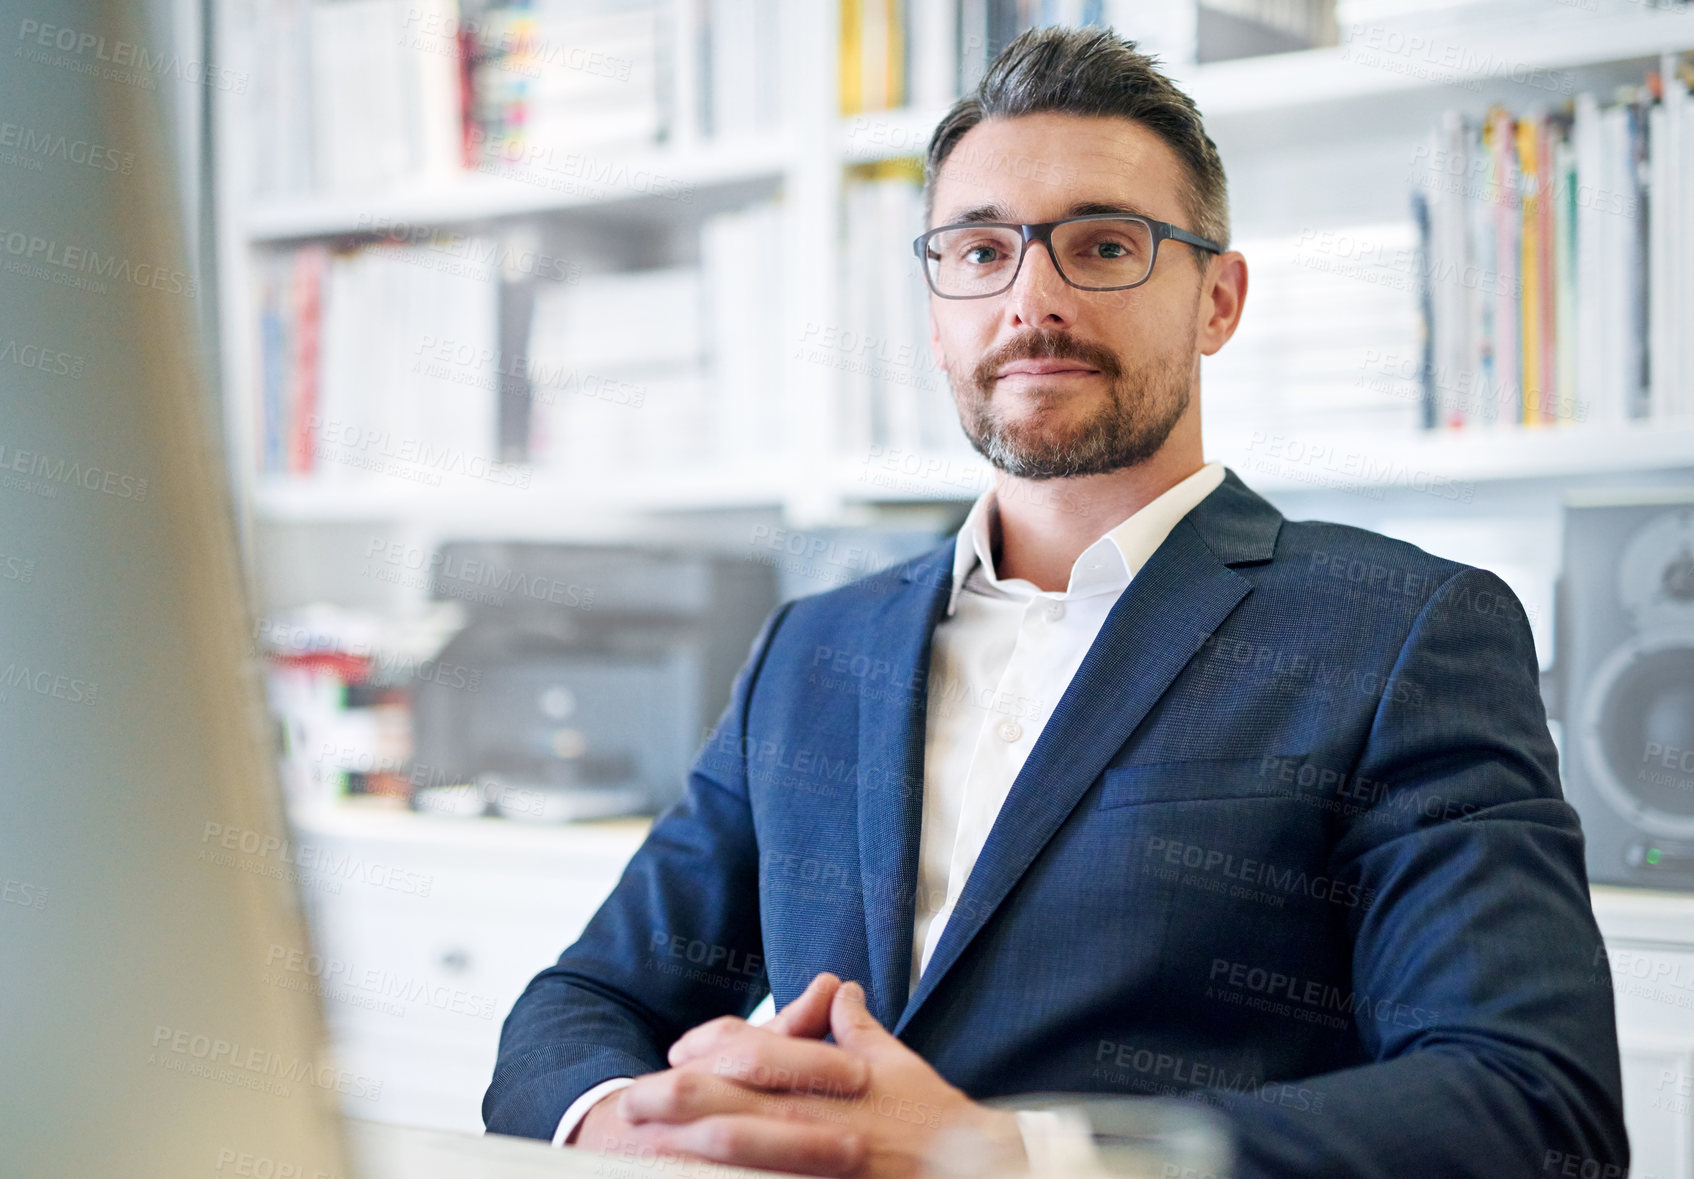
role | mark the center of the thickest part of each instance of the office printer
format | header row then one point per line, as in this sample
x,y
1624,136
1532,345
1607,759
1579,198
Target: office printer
x,y
586,677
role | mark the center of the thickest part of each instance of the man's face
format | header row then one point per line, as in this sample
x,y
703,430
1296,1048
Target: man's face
x,y
1052,381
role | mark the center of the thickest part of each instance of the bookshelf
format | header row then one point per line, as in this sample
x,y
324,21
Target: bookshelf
x,y
809,479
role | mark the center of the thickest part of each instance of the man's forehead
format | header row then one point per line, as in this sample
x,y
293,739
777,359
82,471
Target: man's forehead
x,y
1049,165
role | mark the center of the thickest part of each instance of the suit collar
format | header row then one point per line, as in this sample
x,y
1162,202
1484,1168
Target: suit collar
x,y
1108,564
1236,523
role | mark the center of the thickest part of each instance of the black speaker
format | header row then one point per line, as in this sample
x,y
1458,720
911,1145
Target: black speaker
x,y
1624,686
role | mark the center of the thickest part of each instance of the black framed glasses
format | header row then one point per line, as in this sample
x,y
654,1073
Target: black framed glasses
x,y
1099,252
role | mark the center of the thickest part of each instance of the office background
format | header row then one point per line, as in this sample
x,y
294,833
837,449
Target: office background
x,y
556,340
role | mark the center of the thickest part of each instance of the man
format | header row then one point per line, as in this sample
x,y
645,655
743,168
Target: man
x,y
1133,788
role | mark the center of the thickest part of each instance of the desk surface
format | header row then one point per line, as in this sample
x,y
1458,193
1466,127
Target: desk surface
x,y
384,1151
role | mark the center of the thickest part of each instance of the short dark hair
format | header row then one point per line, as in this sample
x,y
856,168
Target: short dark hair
x,y
1091,72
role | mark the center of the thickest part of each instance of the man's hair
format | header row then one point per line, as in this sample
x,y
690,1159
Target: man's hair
x,y
1091,72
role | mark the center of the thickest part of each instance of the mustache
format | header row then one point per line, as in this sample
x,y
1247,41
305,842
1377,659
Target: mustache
x,y
1045,344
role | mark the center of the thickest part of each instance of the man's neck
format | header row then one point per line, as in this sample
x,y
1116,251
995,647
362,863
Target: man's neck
x,y
1043,526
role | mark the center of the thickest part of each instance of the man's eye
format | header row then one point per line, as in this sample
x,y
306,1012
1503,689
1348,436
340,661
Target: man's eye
x,y
981,255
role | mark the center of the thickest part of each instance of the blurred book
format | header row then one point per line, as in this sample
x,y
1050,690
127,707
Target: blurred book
x,y
377,361
355,96
892,392
1559,263
1330,342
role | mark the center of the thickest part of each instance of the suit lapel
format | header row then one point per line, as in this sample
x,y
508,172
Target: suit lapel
x,y
892,713
1173,605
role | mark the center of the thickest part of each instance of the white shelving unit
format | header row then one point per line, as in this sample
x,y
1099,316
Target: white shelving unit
x,y
812,483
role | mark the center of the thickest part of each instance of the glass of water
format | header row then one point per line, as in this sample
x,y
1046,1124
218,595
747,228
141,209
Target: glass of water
x,y
1085,1136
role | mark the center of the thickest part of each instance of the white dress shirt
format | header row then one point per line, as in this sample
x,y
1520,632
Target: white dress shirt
x,y
999,662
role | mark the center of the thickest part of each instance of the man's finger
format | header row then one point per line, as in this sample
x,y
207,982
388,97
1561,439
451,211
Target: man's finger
x,y
758,1059
681,1095
751,1141
698,1040
808,1015
854,1026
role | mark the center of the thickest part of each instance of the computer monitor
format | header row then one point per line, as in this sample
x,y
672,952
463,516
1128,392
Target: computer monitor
x,y
144,876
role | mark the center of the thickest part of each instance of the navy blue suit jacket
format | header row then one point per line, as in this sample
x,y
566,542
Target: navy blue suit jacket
x,y
1292,843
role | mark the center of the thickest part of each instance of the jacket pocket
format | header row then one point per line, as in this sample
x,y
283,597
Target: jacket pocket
x,y
1197,779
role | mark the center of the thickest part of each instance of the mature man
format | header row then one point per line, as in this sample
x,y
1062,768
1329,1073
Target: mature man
x,y
1133,787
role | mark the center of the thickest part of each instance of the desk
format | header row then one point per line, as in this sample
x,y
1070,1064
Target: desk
x,y
384,1151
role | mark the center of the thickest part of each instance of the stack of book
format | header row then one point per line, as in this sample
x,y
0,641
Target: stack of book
x,y
377,362
666,368
561,75
1558,260
358,95
739,47
352,95
892,394
414,361
616,369
1328,342
925,53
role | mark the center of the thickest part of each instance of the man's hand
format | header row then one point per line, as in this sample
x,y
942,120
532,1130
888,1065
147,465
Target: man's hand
x,y
788,1061
764,1097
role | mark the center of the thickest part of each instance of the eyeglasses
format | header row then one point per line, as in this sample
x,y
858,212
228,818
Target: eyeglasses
x,y
1100,252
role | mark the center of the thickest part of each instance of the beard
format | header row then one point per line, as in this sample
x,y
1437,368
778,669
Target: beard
x,y
1141,409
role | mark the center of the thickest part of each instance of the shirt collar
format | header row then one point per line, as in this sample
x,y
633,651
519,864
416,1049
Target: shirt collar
x,y
1107,565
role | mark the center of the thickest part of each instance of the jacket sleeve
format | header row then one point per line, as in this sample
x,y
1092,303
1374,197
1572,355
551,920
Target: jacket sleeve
x,y
1482,920
677,943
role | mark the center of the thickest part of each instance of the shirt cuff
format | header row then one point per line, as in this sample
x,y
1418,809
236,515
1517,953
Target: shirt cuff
x,y
1058,1142
580,1107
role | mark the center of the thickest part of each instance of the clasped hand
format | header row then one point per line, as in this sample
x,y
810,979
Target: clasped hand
x,y
777,1097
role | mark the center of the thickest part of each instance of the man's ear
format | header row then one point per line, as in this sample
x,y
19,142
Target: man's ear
x,y
1223,294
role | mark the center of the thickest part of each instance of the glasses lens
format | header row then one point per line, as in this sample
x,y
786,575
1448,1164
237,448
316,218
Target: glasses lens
x,y
972,259
1106,253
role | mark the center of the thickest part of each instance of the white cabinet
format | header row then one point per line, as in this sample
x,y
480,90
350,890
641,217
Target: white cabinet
x,y
1650,954
427,930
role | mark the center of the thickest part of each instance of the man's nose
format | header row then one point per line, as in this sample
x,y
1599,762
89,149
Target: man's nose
x,y
1040,297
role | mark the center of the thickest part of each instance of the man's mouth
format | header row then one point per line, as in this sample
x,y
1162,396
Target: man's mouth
x,y
1046,368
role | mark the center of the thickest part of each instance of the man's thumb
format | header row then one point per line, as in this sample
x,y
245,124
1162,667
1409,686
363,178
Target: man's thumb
x,y
851,1021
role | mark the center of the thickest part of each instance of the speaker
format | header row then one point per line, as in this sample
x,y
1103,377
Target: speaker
x,y
1624,687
